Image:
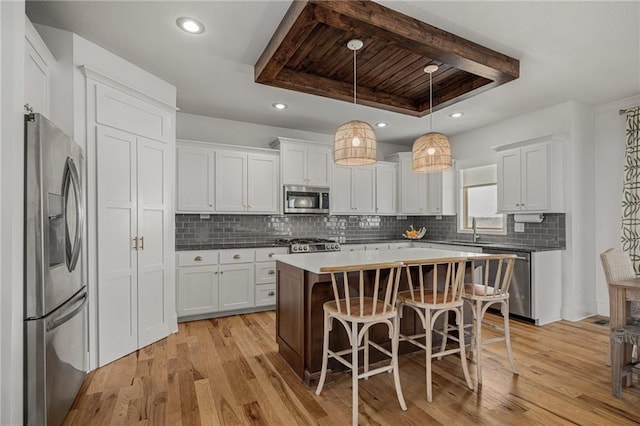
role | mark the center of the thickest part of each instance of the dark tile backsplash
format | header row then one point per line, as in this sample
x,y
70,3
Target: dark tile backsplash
x,y
195,233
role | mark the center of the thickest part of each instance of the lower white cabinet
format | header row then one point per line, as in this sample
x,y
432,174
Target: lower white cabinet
x,y
211,282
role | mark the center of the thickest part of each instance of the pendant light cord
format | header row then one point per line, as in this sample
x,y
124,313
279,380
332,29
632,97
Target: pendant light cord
x,y
430,103
354,77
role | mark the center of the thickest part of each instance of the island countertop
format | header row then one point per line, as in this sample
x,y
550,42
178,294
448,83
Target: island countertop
x,y
312,262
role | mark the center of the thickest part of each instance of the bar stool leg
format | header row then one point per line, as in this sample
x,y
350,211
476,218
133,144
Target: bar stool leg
x,y
478,339
325,352
445,329
463,355
395,342
366,353
429,344
354,372
507,335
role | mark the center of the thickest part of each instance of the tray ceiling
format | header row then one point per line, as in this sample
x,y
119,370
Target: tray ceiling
x,y
308,53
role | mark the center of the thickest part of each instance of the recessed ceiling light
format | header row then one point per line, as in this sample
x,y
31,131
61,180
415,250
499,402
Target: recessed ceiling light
x,y
456,114
279,106
190,25
381,124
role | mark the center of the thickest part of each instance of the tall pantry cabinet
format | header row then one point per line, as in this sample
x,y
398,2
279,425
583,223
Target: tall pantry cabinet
x,y
134,159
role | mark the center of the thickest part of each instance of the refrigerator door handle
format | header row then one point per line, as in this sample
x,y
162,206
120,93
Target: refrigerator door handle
x,y
72,181
57,321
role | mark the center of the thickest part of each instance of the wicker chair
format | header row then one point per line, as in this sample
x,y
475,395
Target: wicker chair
x,y
625,337
433,298
358,307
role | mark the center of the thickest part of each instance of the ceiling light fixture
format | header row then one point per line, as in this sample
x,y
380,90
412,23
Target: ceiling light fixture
x,y
456,114
279,106
381,124
354,143
190,25
431,152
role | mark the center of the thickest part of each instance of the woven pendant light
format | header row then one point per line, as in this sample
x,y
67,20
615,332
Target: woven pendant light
x,y
431,152
354,143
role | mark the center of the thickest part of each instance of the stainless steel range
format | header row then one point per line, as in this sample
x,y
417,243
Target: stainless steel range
x,y
309,245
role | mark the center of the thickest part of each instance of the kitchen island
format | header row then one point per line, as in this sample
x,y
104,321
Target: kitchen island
x,y
302,290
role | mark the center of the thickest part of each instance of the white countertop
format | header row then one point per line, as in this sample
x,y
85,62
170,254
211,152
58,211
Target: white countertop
x,y
312,262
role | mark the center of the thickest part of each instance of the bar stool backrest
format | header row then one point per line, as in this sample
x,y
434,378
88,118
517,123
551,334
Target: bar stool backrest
x,y
497,270
380,300
439,280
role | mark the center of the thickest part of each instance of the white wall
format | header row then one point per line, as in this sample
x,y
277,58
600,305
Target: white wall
x,y
12,30
573,120
218,130
610,142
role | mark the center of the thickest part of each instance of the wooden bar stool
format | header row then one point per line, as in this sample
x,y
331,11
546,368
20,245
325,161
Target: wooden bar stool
x,y
358,307
491,289
439,295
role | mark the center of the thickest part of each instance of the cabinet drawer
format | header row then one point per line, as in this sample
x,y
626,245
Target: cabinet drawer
x,y
198,258
265,254
237,256
266,295
265,272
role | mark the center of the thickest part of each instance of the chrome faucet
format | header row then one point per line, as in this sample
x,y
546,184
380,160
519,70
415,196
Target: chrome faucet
x,y
476,237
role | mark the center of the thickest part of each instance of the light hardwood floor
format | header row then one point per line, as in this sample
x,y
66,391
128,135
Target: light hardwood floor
x,y
227,371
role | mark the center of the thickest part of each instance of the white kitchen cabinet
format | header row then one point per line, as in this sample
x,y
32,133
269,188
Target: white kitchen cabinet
x,y
354,190
265,267
237,288
134,269
195,175
197,290
423,193
304,163
386,188
529,176
38,64
246,182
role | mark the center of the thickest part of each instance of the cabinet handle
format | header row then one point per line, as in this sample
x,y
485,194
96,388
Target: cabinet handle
x,y
271,272
221,272
197,258
210,205
215,273
271,254
271,293
236,256
141,243
135,243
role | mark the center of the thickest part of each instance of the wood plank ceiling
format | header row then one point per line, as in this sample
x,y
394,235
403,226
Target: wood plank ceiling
x,y
308,53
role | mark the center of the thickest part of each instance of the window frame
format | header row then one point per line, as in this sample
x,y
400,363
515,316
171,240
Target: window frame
x,y
463,210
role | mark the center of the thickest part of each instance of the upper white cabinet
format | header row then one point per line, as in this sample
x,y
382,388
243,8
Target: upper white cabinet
x,y
423,193
304,163
529,176
38,63
354,190
195,179
386,188
246,182
213,179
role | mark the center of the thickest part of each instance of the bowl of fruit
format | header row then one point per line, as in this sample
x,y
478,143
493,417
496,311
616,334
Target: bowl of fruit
x,y
414,234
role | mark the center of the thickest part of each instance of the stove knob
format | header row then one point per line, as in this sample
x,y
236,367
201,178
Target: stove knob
x,y
294,248
305,248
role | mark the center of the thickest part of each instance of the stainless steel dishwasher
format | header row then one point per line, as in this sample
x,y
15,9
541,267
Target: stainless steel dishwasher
x,y
520,290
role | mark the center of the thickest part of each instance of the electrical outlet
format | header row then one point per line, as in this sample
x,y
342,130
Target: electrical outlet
x,y
519,227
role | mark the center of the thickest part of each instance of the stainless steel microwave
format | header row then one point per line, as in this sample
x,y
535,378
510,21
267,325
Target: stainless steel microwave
x,y
306,200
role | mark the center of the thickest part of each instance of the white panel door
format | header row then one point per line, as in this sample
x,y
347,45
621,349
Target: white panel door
x,y
386,184
195,180
535,178
197,290
237,286
231,181
319,159
434,193
154,280
341,192
294,164
509,187
363,192
117,256
262,183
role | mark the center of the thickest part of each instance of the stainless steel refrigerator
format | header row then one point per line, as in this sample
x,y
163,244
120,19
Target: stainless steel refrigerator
x,y
55,326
